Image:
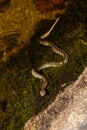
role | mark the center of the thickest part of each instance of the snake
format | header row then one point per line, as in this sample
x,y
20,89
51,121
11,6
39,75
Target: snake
x,y
36,71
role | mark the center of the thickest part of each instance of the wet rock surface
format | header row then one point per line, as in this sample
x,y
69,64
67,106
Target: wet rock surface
x,y
67,112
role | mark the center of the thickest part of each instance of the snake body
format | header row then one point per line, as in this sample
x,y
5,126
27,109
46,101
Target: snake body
x,y
35,71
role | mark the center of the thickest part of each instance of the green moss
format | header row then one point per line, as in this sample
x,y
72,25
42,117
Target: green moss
x,y
19,91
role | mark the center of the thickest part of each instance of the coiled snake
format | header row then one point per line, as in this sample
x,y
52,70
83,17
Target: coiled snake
x,y
35,71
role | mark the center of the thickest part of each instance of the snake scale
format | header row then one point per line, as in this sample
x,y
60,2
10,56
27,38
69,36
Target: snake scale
x,y
36,71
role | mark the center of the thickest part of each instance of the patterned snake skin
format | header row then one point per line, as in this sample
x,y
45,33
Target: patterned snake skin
x,y
35,71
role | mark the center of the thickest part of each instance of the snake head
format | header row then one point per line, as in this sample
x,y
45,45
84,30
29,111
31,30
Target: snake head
x,y
42,93
43,42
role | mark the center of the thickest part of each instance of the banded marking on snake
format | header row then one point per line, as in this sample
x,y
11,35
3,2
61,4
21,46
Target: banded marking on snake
x,y
36,71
